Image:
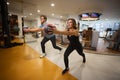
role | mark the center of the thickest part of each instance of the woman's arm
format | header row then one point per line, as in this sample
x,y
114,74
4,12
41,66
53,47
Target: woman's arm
x,y
71,32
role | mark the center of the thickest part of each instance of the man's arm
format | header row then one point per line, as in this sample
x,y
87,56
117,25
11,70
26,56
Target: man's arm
x,y
33,30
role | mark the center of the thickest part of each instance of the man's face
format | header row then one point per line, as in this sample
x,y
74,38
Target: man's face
x,y
42,20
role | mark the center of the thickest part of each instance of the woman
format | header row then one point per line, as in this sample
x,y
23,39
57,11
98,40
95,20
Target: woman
x,y
73,36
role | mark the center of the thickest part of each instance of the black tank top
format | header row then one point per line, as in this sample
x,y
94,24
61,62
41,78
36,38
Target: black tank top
x,y
74,40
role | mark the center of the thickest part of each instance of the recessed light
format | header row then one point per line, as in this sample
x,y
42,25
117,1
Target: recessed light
x,y
8,3
61,16
10,14
52,4
30,14
53,14
24,16
38,11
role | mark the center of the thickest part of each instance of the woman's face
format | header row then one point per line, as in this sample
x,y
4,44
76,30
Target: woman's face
x,y
42,20
69,23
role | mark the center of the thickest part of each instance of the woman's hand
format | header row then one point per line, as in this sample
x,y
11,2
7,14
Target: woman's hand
x,y
52,27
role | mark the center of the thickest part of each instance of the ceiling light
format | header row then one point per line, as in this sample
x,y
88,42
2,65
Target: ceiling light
x,y
8,3
24,16
10,14
61,16
38,11
52,4
53,14
30,14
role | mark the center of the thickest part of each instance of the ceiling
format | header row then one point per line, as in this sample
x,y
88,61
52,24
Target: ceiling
x,y
109,8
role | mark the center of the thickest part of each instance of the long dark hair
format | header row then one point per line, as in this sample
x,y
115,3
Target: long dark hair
x,y
74,22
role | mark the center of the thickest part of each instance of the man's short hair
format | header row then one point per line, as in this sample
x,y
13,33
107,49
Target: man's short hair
x,y
45,17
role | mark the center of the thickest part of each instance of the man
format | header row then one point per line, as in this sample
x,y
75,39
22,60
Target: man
x,y
48,35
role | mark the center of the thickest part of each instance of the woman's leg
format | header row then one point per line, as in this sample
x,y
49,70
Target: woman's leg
x,y
66,62
79,49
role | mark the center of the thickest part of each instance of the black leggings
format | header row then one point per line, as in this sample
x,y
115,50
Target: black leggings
x,y
69,49
52,39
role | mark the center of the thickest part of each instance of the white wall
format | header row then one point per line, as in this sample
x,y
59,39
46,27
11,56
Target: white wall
x,y
60,24
57,22
100,24
30,23
20,25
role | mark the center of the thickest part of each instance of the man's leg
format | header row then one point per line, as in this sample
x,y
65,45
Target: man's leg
x,y
43,46
53,40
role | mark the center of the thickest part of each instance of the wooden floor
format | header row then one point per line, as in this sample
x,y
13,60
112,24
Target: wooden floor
x,y
23,63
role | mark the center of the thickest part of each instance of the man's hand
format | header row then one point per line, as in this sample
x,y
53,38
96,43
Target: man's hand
x,y
26,30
